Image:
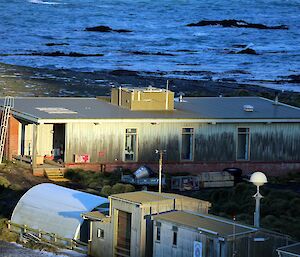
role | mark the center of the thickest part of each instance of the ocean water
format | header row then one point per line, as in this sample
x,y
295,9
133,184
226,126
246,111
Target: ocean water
x,y
159,26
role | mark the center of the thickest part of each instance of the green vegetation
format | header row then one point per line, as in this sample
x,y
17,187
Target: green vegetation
x,y
105,183
5,234
4,182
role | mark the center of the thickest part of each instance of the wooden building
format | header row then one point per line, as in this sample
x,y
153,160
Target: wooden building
x,y
198,133
128,230
181,233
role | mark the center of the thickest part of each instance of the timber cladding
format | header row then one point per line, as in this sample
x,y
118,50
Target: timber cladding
x,y
105,142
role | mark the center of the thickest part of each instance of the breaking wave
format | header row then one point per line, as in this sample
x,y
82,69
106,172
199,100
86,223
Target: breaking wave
x,y
42,2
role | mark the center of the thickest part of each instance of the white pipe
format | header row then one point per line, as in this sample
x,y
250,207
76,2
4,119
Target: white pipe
x,y
120,96
167,95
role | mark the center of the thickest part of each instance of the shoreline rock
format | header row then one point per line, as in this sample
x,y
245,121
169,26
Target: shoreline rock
x,y
57,44
106,29
295,78
247,50
124,73
67,82
56,54
235,24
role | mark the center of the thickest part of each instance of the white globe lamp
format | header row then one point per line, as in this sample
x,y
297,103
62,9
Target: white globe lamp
x,y
258,179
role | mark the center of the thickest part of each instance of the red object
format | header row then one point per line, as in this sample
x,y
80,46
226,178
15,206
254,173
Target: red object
x,y
85,158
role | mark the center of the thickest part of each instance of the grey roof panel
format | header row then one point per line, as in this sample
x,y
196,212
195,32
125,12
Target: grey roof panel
x,y
191,108
204,223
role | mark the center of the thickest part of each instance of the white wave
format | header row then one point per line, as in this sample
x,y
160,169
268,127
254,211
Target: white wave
x,y
41,2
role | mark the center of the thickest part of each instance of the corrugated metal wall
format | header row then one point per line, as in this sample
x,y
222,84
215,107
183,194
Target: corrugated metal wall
x,y
105,141
44,139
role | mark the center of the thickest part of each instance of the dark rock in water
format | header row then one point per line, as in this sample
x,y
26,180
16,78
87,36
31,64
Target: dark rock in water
x,y
186,51
245,51
124,73
58,53
57,44
149,53
106,29
99,29
122,30
235,24
293,79
237,72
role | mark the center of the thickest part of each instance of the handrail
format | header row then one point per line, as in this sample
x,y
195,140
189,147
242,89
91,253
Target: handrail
x,y
72,243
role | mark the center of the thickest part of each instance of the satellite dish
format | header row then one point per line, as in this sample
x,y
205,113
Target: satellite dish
x,y
258,178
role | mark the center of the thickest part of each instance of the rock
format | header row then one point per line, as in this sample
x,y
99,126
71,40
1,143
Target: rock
x,y
58,53
122,30
106,29
293,79
238,72
234,24
99,29
186,51
245,51
149,53
57,44
124,73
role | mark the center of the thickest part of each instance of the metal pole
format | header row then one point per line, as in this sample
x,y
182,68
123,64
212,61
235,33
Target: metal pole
x,y
257,197
159,170
160,162
233,239
167,95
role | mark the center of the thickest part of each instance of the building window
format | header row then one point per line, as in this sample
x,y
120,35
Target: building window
x,y
187,144
131,145
158,233
243,144
100,233
174,238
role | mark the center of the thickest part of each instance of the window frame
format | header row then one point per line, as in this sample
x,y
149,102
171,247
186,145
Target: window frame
x,y
100,233
158,233
193,143
237,143
136,145
175,238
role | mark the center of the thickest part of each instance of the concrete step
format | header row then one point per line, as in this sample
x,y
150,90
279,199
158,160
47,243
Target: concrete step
x,y
55,175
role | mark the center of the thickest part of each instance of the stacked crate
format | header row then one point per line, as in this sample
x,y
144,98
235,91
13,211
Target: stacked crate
x,y
216,179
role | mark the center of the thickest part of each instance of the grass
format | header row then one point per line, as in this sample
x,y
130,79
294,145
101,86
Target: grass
x,y
105,183
5,234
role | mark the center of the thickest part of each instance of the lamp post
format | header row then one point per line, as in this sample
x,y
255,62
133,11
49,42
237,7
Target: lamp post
x,y
258,179
160,152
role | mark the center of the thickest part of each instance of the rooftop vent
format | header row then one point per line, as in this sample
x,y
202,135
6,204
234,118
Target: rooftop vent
x,y
248,108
